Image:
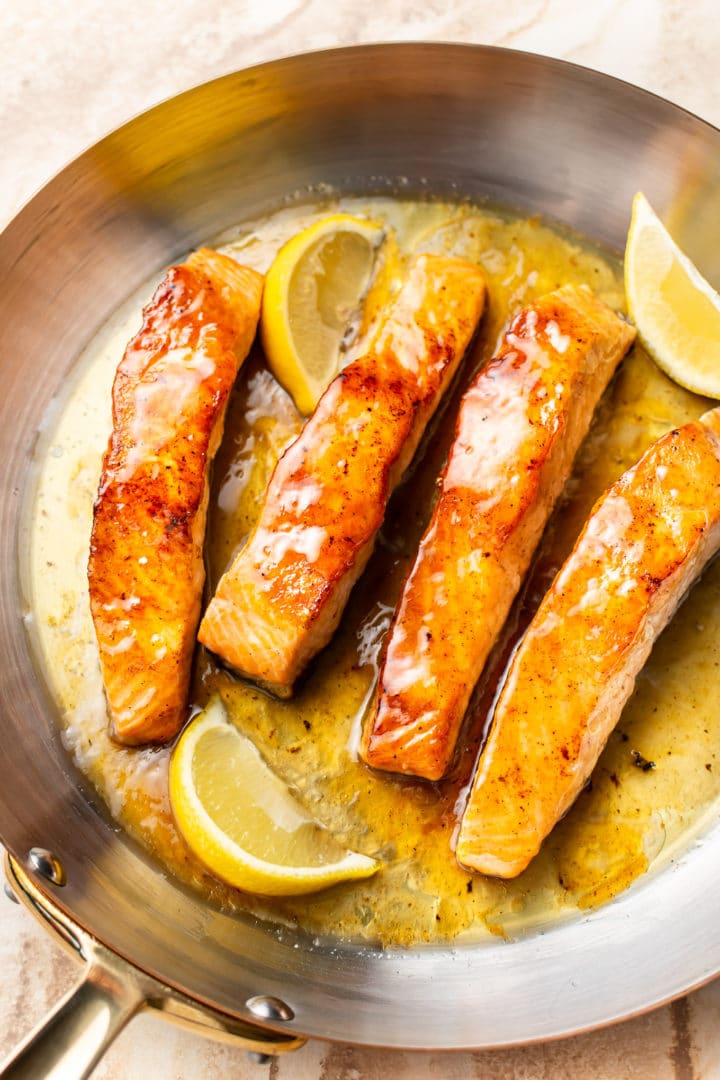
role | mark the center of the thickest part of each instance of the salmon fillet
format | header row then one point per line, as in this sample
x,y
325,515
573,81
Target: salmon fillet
x,y
146,569
519,427
281,600
646,540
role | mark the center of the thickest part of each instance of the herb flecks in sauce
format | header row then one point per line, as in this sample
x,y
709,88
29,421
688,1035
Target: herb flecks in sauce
x,y
618,826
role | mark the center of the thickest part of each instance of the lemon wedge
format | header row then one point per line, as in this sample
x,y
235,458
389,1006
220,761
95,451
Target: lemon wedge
x,y
242,822
676,311
311,302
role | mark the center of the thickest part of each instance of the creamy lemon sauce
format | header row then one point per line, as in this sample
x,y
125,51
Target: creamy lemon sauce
x,y
627,819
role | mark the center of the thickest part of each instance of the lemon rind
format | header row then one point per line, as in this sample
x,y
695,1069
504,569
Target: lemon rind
x,y
706,383
275,333
222,855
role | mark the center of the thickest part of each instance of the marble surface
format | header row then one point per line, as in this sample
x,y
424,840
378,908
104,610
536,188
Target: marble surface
x,y
74,69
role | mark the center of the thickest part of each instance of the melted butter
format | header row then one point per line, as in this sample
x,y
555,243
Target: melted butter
x,y
154,425
626,821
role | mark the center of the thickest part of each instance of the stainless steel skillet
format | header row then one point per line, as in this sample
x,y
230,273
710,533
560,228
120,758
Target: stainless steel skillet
x,y
443,119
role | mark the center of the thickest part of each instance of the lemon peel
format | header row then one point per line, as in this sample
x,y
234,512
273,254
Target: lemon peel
x,y
241,820
312,302
676,311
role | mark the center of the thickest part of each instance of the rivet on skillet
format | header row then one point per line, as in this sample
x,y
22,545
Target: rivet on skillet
x,y
10,894
47,865
257,1058
266,1007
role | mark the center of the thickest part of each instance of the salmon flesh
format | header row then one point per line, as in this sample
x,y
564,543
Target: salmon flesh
x,y
647,539
281,599
520,425
146,571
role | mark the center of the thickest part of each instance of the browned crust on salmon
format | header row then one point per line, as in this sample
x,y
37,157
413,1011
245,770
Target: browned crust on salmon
x,y
282,598
146,570
646,540
519,427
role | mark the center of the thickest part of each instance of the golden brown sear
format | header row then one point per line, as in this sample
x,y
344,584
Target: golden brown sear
x,y
520,425
146,569
646,540
281,600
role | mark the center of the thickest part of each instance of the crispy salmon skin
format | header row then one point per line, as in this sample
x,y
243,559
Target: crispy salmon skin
x,y
646,540
519,427
281,599
146,569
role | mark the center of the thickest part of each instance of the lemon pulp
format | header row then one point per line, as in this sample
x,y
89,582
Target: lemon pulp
x,y
312,302
676,311
240,819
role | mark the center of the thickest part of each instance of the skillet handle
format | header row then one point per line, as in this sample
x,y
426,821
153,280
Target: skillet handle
x,y
71,1041
68,1044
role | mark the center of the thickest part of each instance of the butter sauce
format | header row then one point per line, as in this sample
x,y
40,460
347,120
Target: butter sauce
x,y
627,819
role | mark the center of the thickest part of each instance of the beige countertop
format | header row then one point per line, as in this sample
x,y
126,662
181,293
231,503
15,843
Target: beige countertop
x,y
74,69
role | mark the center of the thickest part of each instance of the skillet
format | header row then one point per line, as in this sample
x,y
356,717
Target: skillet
x,y
535,134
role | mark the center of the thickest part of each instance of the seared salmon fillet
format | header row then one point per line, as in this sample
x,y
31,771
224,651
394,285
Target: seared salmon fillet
x,y
519,427
281,599
146,569
646,540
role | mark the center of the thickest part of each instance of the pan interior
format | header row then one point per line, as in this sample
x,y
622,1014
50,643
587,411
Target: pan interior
x,y
434,119
625,822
